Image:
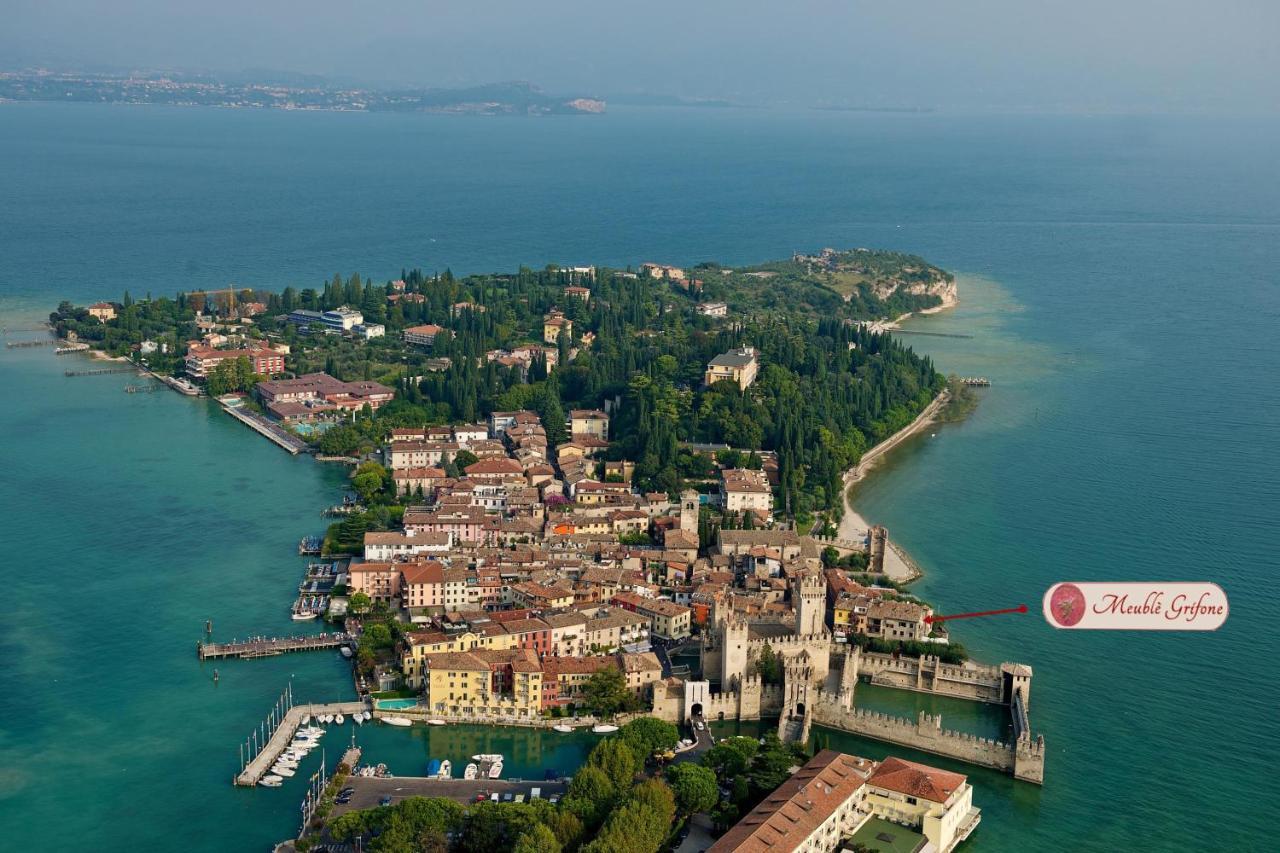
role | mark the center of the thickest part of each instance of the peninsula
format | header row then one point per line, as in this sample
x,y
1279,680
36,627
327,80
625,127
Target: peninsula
x,y
295,92
603,498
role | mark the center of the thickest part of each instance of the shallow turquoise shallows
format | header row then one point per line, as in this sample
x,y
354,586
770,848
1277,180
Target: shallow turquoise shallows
x,y
1118,276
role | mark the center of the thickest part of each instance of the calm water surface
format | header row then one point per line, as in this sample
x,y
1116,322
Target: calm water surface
x,y
1118,278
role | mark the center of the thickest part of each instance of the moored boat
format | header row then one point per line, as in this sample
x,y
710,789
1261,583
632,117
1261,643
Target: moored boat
x,y
397,721
304,616
339,719
446,769
490,757
271,781
433,767
345,651
472,771
436,723
603,728
561,727
495,770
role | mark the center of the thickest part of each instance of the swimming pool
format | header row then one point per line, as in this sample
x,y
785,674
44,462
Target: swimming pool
x,y
396,704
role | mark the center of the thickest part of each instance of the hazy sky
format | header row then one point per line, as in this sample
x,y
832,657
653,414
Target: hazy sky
x,y
1200,55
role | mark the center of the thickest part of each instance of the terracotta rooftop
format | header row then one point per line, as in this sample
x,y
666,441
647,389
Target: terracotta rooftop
x,y
917,780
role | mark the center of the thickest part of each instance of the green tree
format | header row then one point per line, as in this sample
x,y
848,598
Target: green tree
x,y
537,839
648,735
769,666
617,761
359,603
606,692
694,787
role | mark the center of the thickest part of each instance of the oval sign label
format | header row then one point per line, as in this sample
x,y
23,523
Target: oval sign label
x,y
1144,606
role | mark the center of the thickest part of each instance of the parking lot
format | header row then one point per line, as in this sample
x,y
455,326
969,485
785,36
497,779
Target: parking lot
x,y
370,790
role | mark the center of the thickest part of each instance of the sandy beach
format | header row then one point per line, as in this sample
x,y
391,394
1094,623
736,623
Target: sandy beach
x,y
898,565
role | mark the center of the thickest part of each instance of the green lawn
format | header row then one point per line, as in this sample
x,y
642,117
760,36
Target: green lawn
x,y
902,840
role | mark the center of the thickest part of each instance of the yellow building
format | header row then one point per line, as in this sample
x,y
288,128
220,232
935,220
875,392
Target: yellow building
x,y
592,422
739,366
421,645
484,683
552,324
937,801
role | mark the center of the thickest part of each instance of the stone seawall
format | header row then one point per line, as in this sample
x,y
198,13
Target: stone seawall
x,y
1023,759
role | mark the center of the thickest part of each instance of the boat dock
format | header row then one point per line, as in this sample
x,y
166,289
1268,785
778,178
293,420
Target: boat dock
x,y
270,646
100,371
895,330
24,344
67,349
261,425
252,771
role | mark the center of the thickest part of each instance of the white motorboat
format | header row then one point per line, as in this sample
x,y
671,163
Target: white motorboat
x,y
472,771
368,715
397,721
436,723
339,719
495,770
358,718
282,771
561,727
270,781
603,728
303,617
345,650
446,769
326,719
487,757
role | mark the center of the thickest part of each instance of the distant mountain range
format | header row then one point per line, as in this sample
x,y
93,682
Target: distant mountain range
x,y
295,92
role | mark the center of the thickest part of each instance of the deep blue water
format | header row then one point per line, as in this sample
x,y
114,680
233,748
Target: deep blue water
x,y
1118,273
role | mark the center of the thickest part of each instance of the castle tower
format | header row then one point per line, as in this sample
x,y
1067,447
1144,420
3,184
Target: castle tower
x,y
733,653
809,600
689,510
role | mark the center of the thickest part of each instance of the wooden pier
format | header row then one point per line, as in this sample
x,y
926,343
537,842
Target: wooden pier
x,y
896,331
25,344
252,771
101,371
270,646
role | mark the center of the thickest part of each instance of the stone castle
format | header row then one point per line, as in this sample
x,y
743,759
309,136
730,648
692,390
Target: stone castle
x,y
820,679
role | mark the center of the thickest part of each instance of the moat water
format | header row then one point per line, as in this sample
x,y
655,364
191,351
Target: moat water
x,y
1118,276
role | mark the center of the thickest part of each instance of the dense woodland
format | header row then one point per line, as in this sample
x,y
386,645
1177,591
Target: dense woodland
x,y
624,799
827,389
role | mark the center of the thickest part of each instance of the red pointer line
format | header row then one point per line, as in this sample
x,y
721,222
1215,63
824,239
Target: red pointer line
x,y
1021,608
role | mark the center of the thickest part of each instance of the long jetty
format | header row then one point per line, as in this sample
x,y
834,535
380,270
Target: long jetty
x,y
24,344
288,441
100,371
282,723
269,646
896,331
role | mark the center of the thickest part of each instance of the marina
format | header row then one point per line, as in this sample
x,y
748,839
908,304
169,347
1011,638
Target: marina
x,y
270,646
260,752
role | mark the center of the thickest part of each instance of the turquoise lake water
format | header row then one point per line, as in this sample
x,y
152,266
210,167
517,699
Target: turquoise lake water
x,y
1118,276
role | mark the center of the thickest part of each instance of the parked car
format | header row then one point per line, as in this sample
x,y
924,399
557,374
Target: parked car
x,y
385,801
